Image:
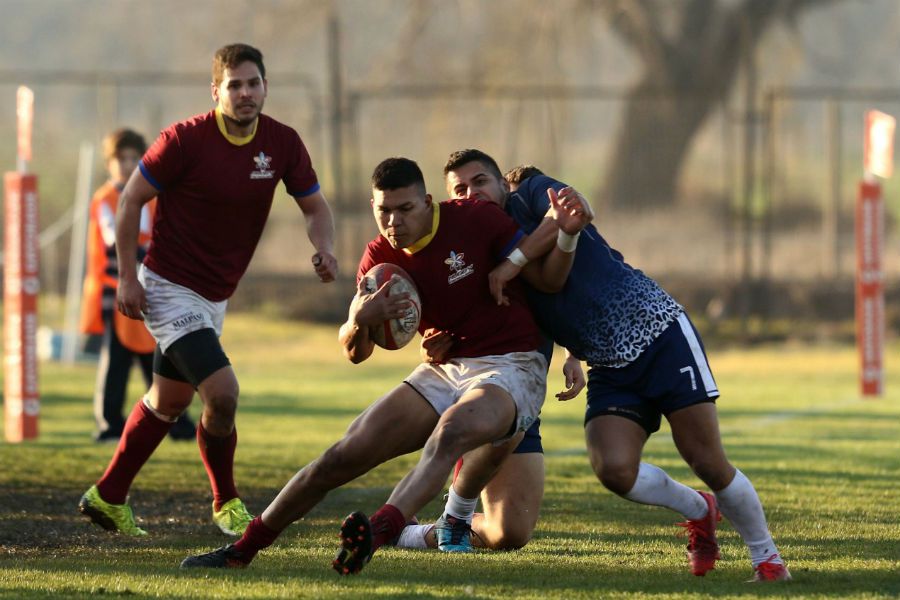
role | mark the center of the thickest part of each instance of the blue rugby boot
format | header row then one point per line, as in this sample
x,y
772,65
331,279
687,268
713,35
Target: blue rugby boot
x,y
453,535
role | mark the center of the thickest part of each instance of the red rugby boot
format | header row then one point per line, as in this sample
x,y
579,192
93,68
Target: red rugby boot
x,y
703,548
771,571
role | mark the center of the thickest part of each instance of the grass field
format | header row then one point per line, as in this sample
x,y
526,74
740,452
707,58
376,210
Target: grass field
x,y
826,464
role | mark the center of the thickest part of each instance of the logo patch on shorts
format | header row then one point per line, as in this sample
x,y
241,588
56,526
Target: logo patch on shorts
x,y
525,422
182,322
625,411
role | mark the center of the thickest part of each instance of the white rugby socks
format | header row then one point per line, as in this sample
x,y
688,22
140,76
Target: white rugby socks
x,y
740,504
459,507
415,536
654,486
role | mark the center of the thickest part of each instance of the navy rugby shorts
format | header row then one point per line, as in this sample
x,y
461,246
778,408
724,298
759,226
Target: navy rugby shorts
x,y
532,440
672,373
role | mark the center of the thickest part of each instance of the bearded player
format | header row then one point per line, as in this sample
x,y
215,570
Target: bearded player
x,y
215,176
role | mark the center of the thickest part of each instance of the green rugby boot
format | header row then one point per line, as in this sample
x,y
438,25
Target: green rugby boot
x,y
114,517
232,518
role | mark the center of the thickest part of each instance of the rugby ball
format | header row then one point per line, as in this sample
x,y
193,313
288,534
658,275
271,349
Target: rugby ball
x,y
394,333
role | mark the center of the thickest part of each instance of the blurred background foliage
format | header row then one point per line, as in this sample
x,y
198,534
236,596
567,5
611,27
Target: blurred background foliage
x,y
720,141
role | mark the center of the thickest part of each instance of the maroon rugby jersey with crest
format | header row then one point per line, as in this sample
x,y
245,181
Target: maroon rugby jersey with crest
x,y
214,198
451,274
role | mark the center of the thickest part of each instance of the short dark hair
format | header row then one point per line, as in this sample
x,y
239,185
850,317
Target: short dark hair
x,y
464,157
123,138
397,172
517,175
232,55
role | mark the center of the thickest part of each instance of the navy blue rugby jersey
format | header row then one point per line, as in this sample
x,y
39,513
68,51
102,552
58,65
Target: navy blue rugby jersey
x,y
608,312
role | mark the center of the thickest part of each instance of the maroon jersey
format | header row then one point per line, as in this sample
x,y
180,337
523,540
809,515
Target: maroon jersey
x,y
451,273
215,193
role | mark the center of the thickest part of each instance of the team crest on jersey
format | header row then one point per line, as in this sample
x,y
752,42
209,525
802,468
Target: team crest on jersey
x,y
458,267
263,164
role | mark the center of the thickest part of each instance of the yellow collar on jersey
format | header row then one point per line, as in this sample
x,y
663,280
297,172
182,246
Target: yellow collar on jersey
x,y
234,139
424,241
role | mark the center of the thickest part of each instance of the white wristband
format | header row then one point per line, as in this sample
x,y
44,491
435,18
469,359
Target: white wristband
x,y
567,241
518,258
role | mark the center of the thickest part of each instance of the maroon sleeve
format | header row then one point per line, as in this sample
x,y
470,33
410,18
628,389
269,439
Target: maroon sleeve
x,y
164,160
300,178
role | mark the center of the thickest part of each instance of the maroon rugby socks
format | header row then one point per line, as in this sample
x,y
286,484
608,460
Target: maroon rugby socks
x,y
257,536
387,524
218,458
143,433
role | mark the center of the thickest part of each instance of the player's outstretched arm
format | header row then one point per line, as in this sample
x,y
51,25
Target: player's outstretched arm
x,y
538,243
568,214
320,229
572,213
367,311
130,297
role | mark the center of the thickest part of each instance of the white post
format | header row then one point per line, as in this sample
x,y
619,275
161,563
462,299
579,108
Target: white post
x,y
77,252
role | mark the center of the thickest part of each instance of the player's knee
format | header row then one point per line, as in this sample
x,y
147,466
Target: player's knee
x,y
511,538
618,478
449,438
221,403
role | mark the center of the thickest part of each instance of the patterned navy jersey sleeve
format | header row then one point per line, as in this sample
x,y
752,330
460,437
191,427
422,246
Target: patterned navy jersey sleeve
x,y
528,204
608,312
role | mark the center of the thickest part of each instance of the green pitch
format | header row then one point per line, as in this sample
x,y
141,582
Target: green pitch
x,y
826,464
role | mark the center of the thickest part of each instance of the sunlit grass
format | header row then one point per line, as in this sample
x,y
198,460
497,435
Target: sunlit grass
x,y
826,463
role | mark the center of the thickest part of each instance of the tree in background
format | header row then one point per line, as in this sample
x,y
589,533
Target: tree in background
x,y
691,51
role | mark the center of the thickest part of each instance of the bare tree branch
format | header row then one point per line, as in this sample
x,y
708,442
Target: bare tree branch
x,y
698,17
637,23
399,63
700,62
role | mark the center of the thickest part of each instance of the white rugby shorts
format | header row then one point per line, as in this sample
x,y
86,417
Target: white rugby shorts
x,y
173,311
522,374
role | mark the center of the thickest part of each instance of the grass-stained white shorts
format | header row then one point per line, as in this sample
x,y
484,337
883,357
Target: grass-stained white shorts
x,y
174,311
522,374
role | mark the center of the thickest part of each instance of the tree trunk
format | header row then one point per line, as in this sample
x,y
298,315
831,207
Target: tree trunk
x,y
689,70
652,144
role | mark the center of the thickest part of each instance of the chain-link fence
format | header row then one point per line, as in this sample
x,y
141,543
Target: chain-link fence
x,y
74,108
812,167
774,212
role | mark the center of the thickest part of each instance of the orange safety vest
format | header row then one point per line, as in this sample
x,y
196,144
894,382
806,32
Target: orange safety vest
x,y
99,275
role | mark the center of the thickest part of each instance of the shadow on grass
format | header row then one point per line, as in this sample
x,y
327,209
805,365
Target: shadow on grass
x,y
626,552
405,574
